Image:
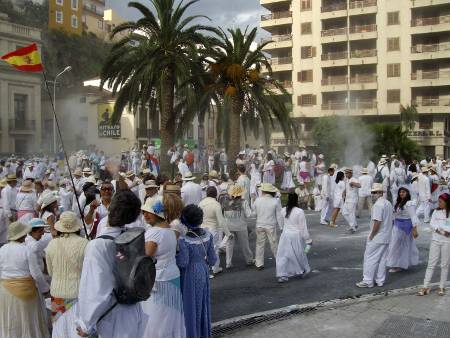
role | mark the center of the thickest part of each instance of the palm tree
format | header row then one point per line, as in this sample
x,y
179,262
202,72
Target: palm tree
x,y
409,116
242,95
155,59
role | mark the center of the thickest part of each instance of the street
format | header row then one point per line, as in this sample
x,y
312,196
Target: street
x,y
336,260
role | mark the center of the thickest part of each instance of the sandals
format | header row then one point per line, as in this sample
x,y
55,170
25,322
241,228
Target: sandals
x,y
424,292
441,292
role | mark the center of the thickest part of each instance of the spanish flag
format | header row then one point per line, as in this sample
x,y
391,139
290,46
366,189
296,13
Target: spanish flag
x,y
26,59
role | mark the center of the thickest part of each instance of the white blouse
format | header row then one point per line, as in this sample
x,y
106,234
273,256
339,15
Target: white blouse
x,y
408,212
26,201
296,223
166,265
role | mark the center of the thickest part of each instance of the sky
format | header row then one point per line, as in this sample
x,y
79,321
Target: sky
x,y
223,13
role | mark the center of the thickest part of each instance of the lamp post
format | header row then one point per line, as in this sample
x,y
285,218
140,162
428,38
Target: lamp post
x,y
67,69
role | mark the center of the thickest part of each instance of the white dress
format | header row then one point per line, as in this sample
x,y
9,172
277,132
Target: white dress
x,y
288,181
255,179
268,172
338,200
291,259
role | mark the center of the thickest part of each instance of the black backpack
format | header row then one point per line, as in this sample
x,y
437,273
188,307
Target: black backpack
x,y
378,177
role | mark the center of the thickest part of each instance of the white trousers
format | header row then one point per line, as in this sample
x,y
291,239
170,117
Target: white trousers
x,y
217,239
375,258
261,235
349,213
424,209
362,201
242,238
327,209
438,250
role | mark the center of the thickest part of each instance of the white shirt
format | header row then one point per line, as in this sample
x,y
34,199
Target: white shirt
x,y
268,212
29,174
26,201
423,187
439,221
191,193
212,215
166,265
326,186
382,211
366,182
183,168
296,223
244,182
351,193
9,196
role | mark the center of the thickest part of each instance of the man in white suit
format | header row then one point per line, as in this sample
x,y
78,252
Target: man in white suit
x,y
424,192
327,195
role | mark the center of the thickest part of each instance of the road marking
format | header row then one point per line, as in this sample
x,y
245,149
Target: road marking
x,y
337,268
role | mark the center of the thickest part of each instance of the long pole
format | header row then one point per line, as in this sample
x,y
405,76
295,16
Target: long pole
x,y
54,117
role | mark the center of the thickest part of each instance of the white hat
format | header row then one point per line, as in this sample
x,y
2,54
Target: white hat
x,y
48,199
91,179
77,172
377,187
286,154
364,171
424,169
188,177
17,230
321,156
242,152
150,184
87,170
68,222
268,187
37,223
155,207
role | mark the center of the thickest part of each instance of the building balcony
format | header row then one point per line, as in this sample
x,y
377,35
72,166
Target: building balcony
x,y
336,10
147,133
22,126
287,84
335,107
362,7
19,30
90,10
334,83
430,24
334,59
276,19
426,3
278,41
430,78
281,64
363,56
269,3
432,104
434,51
334,35
363,108
363,32
363,82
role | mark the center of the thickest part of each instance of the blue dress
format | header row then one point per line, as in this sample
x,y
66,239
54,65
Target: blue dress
x,y
195,256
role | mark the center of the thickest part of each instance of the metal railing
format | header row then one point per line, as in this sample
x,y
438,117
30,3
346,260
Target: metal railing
x,y
334,7
334,56
363,53
276,15
431,101
354,105
438,47
363,29
334,31
334,105
334,80
362,3
433,20
363,105
92,10
281,60
278,38
431,75
363,78
21,125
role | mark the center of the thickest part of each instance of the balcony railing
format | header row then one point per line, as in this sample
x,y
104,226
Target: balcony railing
x,y
431,75
22,125
92,10
354,105
433,20
363,105
364,78
363,29
334,80
277,38
334,7
363,53
334,56
362,3
334,105
147,133
285,84
334,31
420,48
276,15
433,101
281,61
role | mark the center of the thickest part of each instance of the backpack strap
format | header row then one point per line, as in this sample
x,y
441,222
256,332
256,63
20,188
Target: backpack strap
x,y
106,237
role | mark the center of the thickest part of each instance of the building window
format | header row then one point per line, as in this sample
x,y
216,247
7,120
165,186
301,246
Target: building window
x,y
20,107
305,76
83,99
74,21
393,18
59,17
393,70
60,2
308,52
211,127
305,5
100,24
75,4
426,122
306,28
393,44
393,96
306,100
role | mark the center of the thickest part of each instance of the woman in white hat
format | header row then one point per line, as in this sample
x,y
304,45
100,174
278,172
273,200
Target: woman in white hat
x,y
49,211
26,202
64,256
37,240
22,309
165,305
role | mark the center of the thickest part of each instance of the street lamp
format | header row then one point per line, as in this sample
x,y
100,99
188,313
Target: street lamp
x,y
67,69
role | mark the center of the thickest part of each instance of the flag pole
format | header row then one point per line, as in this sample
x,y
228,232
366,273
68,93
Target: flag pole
x,y
65,154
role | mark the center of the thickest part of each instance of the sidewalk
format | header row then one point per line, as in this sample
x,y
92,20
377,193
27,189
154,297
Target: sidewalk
x,y
398,314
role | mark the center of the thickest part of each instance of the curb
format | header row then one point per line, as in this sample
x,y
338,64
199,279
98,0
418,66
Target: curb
x,y
227,326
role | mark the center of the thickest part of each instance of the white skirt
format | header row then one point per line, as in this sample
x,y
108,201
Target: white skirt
x,y
65,327
20,318
288,181
403,251
291,258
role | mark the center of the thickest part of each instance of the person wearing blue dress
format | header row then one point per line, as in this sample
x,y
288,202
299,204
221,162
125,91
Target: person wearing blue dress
x,y
195,257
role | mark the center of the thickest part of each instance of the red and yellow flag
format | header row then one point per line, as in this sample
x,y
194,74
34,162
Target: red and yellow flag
x,y
26,59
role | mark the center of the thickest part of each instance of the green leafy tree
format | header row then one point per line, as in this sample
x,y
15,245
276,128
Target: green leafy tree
x,y
154,61
409,116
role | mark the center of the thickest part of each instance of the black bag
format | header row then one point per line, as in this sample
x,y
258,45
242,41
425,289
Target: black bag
x,y
378,177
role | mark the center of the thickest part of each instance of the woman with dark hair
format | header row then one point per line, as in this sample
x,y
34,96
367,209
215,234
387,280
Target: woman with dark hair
x,y
440,246
49,212
403,251
268,169
99,279
294,244
196,255
338,197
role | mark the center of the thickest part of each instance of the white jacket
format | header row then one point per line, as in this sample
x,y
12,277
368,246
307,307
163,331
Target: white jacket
x,y
423,187
191,193
326,186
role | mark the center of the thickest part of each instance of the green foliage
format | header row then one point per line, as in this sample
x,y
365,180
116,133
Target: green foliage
x,y
409,116
29,14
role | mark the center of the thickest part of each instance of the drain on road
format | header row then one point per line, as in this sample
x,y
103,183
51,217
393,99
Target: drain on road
x,y
410,327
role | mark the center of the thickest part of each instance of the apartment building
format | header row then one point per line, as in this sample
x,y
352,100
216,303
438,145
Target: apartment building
x,y
92,17
65,15
363,58
20,93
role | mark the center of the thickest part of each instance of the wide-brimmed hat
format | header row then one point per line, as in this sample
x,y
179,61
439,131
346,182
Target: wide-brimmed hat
x,y
414,176
155,207
268,187
87,170
188,177
37,223
382,161
150,184
377,187
68,222
213,174
48,199
242,152
17,230
130,174
364,171
51,184
77,172
91,179
27,186
424,169
3,183
286,154
321,156
433,169
348,170
11,178
236,190
172,188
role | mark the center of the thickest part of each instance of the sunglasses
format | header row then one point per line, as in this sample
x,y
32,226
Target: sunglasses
x,y
106,189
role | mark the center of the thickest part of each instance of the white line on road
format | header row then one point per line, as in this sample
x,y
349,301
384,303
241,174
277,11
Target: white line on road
x,y
337,268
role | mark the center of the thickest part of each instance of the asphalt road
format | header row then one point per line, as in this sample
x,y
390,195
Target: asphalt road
x,y
336,260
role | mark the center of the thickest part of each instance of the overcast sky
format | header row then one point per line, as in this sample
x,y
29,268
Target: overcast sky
x,y
224,13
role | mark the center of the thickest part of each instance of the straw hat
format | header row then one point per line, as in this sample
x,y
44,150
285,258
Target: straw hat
x,y
213,174
48,199
364,171
155,207
37,223
11,178
78,173
87,170
68,222
146,171
188,177
377,187
130,174
424,169
91,179
17,230
27,186
433,169
268,187
236,191
172,188
150,184
2,183
348,170
414,176
286,154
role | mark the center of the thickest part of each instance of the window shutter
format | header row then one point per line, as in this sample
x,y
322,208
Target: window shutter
x,y
314,100
299,100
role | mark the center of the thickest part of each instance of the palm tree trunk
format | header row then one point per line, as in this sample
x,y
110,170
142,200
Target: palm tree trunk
x,y
234,143
167,125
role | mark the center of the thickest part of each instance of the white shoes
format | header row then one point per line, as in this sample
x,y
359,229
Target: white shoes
x,y
364,285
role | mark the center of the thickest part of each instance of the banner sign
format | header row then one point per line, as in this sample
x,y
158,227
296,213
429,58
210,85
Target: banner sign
x,y
105,128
